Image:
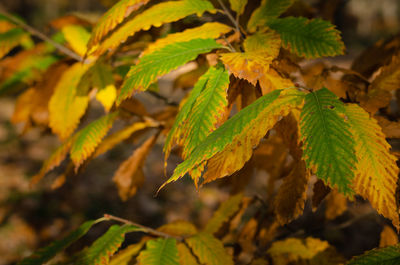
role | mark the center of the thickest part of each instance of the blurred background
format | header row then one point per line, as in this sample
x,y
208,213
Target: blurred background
x,y
33,217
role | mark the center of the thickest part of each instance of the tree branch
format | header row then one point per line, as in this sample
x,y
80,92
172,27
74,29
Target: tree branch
x,y
42,36
144,228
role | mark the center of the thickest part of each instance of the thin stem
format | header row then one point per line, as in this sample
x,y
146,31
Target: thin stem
x,y
42,36
161,97
144,228
231,18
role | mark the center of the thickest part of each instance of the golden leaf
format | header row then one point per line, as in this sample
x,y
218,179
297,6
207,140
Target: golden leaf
x,y
129,176
266,43
67,105
185,255
335,205
179,228
271,81
377,173
388,237
294,186
389,78
78,37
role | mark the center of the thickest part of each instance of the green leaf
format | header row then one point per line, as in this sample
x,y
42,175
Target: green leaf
x,y
161,251
105,246
156,16
209,250
160,62
329,148
382,256
88,138
10,39
45,254
269,9
224,213
309,38
231,145
114,16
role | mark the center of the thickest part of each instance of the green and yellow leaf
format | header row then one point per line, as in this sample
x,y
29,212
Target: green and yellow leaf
x,y
209,250
77,37
160,251
383,256
238,6
268,42
43,255
376,173
210,30
103,81
179,228
224,213
113,17
155,16
238,136
328,144
105,246
185,255
10,39
308,38
269,9
124,256
129,176
160,62
88,138
67,105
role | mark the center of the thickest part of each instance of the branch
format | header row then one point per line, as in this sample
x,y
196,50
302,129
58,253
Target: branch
x,y
231,18
144,228
161,97
42,36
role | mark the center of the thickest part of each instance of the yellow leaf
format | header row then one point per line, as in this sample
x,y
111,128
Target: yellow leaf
x,y
249,65
129,176
155,16
179,228
388,237
78,37
185,256
238,6
268,43
103,80
235,154
389,78
335,205
208,30
209,250
377,172
112,140
124,256
114,16
289,202
271,81
67,105
311,251
107,96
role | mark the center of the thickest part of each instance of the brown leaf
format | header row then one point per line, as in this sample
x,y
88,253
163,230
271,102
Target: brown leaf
x,y
320,191
374,100
129,175
388,237
335,205
289,202
390,128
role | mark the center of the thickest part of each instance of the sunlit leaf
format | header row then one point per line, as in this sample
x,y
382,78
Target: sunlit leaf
x,y
78,37
268,10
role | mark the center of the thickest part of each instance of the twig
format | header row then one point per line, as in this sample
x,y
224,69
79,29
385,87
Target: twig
x,y
231,18
42,36
166,100
144,228
230,46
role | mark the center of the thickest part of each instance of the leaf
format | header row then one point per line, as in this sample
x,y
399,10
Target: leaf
x,y
268,10
103,80
382,256
105,246
88,138
308,38
207,111
294,186
67,105
328,145
210,30
113,139
310,250
155,16
335,205
114,16
268,42
224,213
10,39
185,255
209,250
124,256
43,255
238,136
160,62
160,251
238,6
129,176
78,37
271,81
388,237
179,228
389,78
376,173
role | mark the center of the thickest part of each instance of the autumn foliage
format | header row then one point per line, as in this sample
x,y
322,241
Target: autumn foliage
x,y
252,104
